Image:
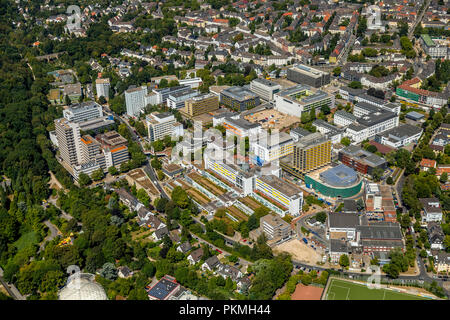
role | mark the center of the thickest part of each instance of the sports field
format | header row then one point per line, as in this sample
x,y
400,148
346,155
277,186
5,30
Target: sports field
x,y
346,290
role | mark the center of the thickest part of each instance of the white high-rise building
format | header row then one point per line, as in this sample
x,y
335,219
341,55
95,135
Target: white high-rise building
x,y
69,139
135,100
264,88
102,86
83,111
163,124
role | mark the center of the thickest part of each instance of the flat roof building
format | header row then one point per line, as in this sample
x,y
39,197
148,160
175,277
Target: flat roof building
x,y
239,98
400,136
163,124
302,98
361,160
83,111
307,75
311,152
264,88
201,104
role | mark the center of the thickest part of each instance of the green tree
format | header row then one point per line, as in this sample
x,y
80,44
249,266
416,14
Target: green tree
x,y
98,174
345,141
84,179
344,261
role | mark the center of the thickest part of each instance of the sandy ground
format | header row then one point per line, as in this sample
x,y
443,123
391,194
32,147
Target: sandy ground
x,y
3,290
306,293
299,251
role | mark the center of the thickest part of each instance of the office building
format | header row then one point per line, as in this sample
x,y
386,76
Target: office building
x,y
240,127
163,93
410,90
361,160
275,228
83,111
201,104
116,156
370,121
265,89
239,98
334,133
163,124
271,147
176,100
135,100
68,136
307,75
90,148
432,48
400,136
115,148
234,174
311,152
343,119
102,86
302,98
280,191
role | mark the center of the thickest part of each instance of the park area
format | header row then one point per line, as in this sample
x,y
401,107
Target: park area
x,y
349,290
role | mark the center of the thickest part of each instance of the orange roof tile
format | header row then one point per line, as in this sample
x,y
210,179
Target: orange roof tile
x,y
428,163
118,149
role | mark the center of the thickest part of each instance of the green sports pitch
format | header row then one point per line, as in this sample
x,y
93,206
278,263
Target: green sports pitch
x,y
346,290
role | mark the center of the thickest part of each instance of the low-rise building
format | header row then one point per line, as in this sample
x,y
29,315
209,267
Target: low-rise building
x,y
361,160
275,228
431,211
400,136
164,289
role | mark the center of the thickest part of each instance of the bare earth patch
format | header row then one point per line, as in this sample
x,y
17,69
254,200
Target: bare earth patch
x,y
303,292
299,251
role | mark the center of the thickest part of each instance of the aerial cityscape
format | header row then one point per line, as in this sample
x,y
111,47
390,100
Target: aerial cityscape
x,y
224,150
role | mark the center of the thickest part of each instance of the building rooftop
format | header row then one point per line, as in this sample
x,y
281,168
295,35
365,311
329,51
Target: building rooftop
x,y
316,73
381,232
363,155
163,288
266,82
343,220
284,187
402,132
239,93
414,115
311,140
242,123
339,176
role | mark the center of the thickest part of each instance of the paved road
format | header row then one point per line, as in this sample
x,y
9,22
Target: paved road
x,y
147,168
419,19
54,232
11,289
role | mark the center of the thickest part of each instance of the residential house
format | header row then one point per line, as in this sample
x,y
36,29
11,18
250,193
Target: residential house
x,y
432,210
211,263
195,256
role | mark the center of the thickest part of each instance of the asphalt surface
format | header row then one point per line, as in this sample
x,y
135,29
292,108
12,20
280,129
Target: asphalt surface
x,y
147,167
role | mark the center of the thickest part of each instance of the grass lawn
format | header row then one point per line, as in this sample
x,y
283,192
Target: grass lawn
x,y
26,239
346,290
